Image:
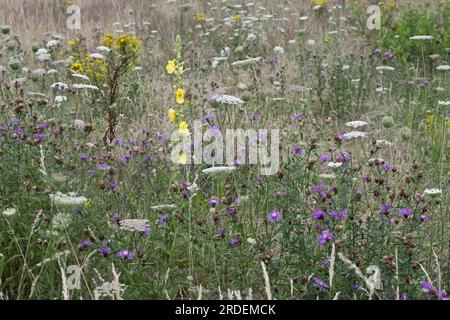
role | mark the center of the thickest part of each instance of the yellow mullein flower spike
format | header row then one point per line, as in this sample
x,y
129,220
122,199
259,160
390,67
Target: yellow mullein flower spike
x,y
171,66
180,96
172,115
183,128
182,159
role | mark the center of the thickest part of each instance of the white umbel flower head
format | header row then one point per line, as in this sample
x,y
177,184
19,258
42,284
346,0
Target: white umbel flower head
x,y
380,143
103,48
52,44
97,56
59,85
9,212
84,86
444,103
246,62
214,170
385,68
79,124
443,68
70,199
42,55
278,50
80,76
164,207
421,38
60,99
334,164
432,191
330,176
355,134
356,124
227,99
134,224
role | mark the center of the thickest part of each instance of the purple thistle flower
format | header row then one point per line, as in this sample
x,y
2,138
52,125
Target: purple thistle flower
x,y
339,215
118,140
160,137
318,214
235,240
104,251
84,244
220,231
318,188
344,156
209,118
297,150
113,185
297,117
103,166
39,136
324,157
163,219
320,284
84,157
324,237
405,212
213,202
125,255
274,216
423,218
145,230
116,218
385,209
388,55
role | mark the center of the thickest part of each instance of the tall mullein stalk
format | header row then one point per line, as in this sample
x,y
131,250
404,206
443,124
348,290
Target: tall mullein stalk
x,y
113,83
177,114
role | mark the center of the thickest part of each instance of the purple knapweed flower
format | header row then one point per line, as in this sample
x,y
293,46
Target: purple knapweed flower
x,y
235,240
274,216
388,55
405,212
324,157
318,214
339,215
104,251
84,244
320,284
385,209
125,255
145,230
297,150
213,202
220,231
324,237
163,219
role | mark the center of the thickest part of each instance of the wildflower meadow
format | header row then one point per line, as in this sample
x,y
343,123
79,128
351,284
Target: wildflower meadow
x,y
224,150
